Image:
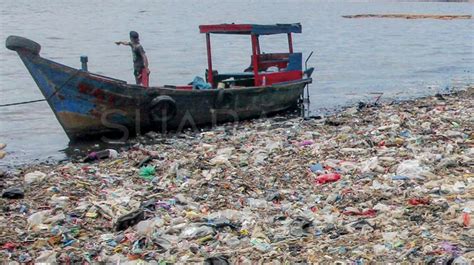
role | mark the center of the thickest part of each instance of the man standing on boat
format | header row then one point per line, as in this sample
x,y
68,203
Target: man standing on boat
x,y
140,61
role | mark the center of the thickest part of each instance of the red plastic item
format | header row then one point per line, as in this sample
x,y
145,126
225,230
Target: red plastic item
x,y
466,219
305,143
184,87
145,77
370,212
419,201
10,246
327,178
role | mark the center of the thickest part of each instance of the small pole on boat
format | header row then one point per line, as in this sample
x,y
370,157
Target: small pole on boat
x,y
290,43
84,63
306,70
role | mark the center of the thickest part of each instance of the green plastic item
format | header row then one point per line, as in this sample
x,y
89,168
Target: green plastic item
x,y
147,172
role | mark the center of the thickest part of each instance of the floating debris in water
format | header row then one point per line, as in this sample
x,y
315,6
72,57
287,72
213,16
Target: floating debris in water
x,y
410,16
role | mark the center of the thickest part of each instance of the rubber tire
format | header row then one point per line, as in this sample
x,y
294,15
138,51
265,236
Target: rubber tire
x,y
16,43
225,99
157,105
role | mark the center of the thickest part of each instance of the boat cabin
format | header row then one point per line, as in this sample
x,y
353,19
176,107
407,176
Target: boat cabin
x,y
287,66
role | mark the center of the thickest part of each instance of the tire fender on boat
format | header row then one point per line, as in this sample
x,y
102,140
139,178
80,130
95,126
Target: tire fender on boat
x,y
163,109
225,99
17,43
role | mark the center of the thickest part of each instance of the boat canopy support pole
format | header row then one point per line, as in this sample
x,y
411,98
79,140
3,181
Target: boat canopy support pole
x,y
258,45
290,43
210,77
255,59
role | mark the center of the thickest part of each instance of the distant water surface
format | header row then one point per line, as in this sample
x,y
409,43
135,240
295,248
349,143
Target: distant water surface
x,y
353,57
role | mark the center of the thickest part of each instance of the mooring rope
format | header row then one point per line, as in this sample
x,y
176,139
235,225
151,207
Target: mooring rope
x,y
39,100
22,103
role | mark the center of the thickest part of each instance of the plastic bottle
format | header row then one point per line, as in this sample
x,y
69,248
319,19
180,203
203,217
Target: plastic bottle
x,y
257,203
264,81
196,232
466,217
107,153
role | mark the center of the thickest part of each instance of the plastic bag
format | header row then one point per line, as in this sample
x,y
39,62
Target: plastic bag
x,y
147,173
328,178
411,169
199,83
34,177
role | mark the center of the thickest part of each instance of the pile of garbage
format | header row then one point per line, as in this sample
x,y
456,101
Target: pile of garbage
x,y
374,183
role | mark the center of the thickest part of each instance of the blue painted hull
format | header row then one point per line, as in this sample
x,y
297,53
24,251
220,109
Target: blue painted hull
x,y
87,104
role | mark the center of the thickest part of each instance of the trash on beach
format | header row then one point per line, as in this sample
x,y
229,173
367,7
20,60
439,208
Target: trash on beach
x,y
36,176
392,183
13,193
327,178
147,172
97,155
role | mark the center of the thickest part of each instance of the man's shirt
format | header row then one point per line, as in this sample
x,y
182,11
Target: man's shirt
x,y
137,51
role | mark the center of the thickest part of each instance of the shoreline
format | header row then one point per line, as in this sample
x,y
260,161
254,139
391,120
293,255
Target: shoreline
x,y
77,151
391,182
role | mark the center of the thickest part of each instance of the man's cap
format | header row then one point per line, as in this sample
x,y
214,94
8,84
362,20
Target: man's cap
x,y
133,35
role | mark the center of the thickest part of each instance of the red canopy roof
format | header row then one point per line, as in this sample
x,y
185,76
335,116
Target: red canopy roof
x,y
251,29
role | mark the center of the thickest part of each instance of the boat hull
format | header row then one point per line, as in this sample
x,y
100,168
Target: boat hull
x,y
88,104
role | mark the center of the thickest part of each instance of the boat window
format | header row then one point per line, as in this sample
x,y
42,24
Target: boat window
x,y
230,53
274,43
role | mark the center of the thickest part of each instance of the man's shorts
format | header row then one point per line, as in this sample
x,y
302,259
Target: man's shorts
x,y
138,75
137,71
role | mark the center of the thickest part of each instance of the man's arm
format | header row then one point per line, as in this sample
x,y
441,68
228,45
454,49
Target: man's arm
x,y
123,43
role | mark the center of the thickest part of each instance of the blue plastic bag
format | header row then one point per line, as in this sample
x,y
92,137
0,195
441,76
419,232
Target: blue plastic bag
x,y
199,83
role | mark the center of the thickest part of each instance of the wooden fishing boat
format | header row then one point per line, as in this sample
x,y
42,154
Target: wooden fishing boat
x,y
88,104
